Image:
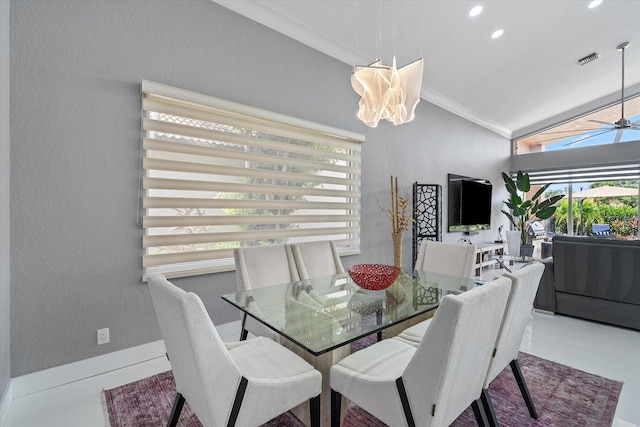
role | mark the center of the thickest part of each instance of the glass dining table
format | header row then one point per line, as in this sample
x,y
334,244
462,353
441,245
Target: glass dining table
x,y
503,260
318,318
325,313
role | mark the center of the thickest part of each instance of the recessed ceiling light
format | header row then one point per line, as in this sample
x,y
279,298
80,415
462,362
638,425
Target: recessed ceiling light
x,y
594,3
497,34
475,11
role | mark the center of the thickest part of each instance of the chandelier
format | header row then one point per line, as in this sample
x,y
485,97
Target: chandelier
x,y
387,92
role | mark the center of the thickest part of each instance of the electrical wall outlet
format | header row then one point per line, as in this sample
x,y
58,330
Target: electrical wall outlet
x,y
103,336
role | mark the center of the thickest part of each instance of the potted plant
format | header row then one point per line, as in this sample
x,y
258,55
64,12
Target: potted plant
x,y
522,210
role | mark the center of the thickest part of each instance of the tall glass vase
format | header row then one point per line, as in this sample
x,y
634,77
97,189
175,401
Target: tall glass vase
x,y
397,249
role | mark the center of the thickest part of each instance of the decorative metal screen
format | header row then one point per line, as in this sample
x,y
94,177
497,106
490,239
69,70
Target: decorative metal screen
x,y
427,215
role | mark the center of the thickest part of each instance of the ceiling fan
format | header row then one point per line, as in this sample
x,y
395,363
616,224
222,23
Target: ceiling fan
x,y
620,126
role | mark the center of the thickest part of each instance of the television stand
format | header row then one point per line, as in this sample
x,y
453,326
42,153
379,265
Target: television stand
x,y
483,255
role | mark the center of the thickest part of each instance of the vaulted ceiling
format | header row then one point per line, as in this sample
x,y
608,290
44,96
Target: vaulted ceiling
x,y
522,81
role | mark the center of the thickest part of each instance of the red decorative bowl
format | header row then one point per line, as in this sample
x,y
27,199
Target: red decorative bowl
x,y
373,276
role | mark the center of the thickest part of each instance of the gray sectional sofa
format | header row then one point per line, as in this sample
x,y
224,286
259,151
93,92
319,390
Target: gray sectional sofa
x,y
593,278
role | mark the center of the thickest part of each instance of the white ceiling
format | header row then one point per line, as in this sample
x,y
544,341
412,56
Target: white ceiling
x,y
524,80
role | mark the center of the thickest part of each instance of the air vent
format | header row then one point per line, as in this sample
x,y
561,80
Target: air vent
x,y
589,58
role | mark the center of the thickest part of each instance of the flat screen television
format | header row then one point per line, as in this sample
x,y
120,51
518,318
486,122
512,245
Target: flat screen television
x,y
469,202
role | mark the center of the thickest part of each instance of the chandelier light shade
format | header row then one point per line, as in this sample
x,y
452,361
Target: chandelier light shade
x,y
387,92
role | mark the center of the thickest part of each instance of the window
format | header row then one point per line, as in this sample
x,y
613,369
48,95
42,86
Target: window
x,y
583,210
610,206
594,128
217,175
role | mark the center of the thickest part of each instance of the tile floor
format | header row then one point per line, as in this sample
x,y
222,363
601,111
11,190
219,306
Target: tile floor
x,y
604,350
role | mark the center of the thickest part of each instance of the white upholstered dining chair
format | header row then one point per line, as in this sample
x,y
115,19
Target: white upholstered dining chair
x,y
261,266
246,383
433,383
525,282
316,259
454,259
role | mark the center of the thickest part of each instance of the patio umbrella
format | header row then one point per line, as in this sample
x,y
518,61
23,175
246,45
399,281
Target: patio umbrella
x,y
605,191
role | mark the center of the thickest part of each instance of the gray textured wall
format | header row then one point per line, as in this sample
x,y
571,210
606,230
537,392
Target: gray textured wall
x,y
5,342
76,68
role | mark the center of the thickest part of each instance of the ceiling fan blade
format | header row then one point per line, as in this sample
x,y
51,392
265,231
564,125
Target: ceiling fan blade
x,y
584,138
559,138
618,136
601,122
573,131
552,139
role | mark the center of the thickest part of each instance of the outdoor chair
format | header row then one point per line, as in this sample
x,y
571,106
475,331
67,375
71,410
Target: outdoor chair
x,y
601,229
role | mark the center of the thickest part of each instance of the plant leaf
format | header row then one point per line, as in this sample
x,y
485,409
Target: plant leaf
x,y
510,218
546,212
508,182
524,184
540,191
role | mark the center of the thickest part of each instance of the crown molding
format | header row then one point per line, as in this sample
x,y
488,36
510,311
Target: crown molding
x,y
464,112
259,12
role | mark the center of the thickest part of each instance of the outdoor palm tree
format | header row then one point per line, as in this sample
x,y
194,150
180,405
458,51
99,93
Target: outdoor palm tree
x,y
585,213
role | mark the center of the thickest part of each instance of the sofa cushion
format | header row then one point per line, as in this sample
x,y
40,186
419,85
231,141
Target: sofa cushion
x,y
546,295
599,268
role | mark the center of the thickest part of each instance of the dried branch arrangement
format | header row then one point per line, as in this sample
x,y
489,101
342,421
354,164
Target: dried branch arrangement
x,y
399,212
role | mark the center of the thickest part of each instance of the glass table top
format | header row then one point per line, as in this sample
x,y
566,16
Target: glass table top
x,y
324,313
508,260
515,258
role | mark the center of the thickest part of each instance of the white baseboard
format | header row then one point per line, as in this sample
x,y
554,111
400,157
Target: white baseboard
x,y
76,371
5,403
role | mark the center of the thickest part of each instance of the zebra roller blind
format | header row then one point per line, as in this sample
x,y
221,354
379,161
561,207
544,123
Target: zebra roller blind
x,y
216,175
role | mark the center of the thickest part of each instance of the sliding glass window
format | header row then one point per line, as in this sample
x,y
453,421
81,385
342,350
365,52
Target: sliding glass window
x,y
597,202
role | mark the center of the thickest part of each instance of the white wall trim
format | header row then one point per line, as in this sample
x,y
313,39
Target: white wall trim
x,y
266,16
76,371
5,403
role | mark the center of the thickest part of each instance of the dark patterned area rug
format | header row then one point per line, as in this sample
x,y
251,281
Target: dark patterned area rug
x,y
563,396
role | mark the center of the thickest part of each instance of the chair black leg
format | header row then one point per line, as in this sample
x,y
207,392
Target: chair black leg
x,y
515,368
243,331
314,410
178,403
237,402
404,399
336,403
478,411
488,408
379,322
